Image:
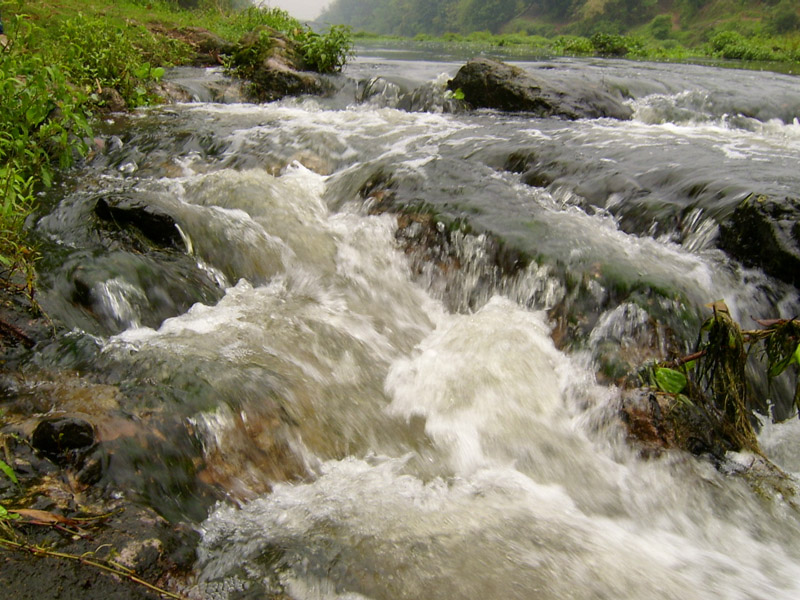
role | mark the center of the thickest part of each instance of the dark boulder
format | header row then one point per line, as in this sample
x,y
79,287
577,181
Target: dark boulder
x,y
112,101
64,440
488,83
765,233
126,213
273,65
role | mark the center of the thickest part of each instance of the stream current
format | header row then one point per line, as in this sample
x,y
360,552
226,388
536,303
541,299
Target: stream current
x,y
339,421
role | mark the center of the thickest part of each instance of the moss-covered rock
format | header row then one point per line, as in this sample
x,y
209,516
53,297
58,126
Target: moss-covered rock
x,y
274,66
487,83
765,233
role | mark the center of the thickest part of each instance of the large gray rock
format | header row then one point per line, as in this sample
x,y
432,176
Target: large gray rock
x,y
765,233
488,83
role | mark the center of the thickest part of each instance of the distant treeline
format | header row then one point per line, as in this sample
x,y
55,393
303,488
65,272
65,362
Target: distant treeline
x,y
542,17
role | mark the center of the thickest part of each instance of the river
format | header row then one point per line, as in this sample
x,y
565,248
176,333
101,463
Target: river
x,y
342,417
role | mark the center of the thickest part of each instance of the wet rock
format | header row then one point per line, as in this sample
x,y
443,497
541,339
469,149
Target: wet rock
x,y
379,92
429,98
170,92
657,422
195,84
134,537
141,556
765,233
487,83
64,440
273,65
154,224
112,101
532,171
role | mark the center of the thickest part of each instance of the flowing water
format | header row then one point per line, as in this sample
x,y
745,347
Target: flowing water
x,y
344,419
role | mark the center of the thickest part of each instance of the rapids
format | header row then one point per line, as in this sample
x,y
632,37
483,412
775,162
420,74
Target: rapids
x,y
340,421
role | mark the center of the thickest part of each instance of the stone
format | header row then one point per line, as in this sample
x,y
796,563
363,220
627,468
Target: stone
x,y
273,65
763,232
153,223
487,83
112,100
64,440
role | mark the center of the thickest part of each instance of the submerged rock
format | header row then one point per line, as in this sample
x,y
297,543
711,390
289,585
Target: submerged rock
x,y
379,92
64,440
488,83
154,224
765,233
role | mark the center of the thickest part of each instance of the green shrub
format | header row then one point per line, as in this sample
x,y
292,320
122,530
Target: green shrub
x,y
95,53
733,45
234,25
661,27
43,120
784,18
611,44
573,45
328,52
480,36
452,37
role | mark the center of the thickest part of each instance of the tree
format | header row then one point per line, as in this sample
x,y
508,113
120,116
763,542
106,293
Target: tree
x,y
480,15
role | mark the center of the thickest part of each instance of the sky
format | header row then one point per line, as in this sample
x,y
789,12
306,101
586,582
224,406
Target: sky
x,y
300,9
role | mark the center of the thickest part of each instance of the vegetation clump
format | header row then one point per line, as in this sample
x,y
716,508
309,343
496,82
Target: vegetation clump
x,y
43,122
709,391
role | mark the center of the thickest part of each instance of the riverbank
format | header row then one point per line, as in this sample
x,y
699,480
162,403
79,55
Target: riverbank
x,y
65,65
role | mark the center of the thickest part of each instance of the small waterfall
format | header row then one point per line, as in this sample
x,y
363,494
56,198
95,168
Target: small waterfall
x,y
379,360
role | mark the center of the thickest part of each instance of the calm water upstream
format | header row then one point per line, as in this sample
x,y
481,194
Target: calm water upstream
x,y
339,424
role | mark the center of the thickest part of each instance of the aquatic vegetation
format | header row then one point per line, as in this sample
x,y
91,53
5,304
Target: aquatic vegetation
x,y
712,383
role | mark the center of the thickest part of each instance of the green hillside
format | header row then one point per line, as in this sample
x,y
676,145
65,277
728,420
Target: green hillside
x,y
688,22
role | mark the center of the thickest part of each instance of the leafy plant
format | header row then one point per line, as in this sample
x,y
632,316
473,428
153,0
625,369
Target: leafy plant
x,y
669,380
237,23
9,472
712,382
43,120
572,45
96,53
328,52
733,45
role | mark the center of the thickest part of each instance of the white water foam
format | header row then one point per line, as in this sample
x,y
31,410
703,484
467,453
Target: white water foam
x,y
448,456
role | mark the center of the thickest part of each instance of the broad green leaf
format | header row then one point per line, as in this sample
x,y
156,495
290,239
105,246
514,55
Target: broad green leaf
x,y
670,380
8,471
4,514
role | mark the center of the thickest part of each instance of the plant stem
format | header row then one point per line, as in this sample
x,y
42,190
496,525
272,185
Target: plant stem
x,y
106,566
